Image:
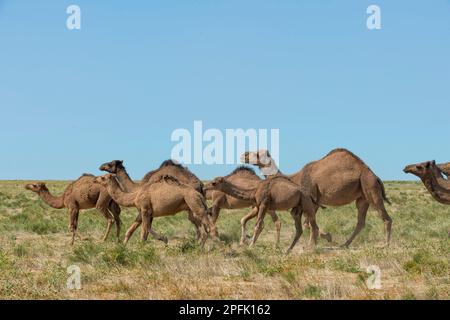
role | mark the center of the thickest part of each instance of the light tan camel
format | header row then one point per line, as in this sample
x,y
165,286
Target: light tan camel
x,y
244,177
431,176
81,194
167,167
276,193
164,197
337,179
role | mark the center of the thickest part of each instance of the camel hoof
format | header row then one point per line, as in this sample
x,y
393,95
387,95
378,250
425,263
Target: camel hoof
x,y
164,239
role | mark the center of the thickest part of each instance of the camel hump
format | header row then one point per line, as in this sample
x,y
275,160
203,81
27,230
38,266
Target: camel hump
x,y
346,151
243,169
170,162
87,175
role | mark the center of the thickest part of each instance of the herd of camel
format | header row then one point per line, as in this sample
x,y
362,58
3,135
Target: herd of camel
x,y
337,179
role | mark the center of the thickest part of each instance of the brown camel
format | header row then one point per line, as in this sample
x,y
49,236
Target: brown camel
x,y
81,194
276,193
164,197
167,167
431,176
337,179
244,177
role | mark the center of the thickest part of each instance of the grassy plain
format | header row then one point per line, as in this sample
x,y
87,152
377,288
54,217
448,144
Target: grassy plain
x,y
35,254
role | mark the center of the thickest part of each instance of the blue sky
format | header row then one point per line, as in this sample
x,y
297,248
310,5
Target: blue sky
x,y
136,71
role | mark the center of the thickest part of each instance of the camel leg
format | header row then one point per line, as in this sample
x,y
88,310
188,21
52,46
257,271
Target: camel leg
x,y
137,222
259,223
363,206
296,214
379,206
244,221
276,220
314,230
202,228
114,209
73,225
194,222
215,209
110,221
147,219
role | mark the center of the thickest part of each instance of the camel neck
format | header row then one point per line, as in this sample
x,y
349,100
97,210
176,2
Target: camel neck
x,y
52,201
441,187
238,192
125,199
271,170
125,181
436,192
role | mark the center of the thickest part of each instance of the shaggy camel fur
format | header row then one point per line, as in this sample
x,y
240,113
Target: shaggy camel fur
x,y
337,179
167,167
164,197
83,193
243,177
431,176
277,193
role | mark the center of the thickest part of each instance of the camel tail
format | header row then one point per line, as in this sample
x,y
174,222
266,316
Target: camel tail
x,y
383,191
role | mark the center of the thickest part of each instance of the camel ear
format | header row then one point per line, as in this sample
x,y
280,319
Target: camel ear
x,y
433,162
268,153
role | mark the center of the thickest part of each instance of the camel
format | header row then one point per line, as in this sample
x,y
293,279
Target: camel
x,y
275,193
431,176
164,197
244,177
167,167
81,194
337,179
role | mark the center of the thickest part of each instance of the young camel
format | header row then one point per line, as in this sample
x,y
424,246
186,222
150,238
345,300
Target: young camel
x,y
337,179
246,178
431,176
277,193
164,197
81,194
167,167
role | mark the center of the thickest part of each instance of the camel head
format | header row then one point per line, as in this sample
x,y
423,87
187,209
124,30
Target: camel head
x,y
215,184
104,179
422,169
260,158
36,187
113,166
